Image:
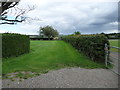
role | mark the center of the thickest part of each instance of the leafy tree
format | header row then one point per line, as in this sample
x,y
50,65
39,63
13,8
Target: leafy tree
x,y
77,33
48,31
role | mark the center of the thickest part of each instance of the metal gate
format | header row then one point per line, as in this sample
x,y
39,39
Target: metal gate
x,y
112,60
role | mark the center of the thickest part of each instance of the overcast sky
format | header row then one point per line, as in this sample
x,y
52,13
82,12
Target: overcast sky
x,y
68,16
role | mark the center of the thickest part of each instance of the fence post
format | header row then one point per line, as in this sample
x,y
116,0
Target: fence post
x,y
106,54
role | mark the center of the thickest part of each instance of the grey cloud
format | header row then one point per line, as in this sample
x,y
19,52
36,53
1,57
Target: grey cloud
x,y
68,17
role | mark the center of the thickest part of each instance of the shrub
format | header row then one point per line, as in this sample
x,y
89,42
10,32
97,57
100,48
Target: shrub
x,y
91,45
14,44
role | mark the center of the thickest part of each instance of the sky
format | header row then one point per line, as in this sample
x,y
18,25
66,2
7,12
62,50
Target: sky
x,y
67,16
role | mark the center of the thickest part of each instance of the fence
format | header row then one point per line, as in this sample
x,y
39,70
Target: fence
x,y
112,59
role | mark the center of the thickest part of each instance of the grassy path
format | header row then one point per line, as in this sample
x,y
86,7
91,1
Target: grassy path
x,y
47,55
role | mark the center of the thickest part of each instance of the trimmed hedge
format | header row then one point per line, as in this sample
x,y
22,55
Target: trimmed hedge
x,y
91,45
14,44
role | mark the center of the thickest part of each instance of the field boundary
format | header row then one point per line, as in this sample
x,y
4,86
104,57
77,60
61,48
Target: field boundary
x,y
112,58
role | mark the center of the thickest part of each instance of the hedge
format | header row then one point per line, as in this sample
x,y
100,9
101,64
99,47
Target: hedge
x,y
14,45
91,45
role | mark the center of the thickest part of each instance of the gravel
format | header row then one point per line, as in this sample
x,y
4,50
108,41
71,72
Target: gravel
x,y
68,78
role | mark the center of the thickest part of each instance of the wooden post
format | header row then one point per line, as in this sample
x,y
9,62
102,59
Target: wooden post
x,y
106,54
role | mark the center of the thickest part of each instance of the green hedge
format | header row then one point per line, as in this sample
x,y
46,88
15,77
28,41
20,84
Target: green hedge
x,y
91,45
14,44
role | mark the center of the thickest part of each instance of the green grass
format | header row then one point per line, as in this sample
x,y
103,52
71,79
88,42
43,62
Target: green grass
x,y
114,43
48,55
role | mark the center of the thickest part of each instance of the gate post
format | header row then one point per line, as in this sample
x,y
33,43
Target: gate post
x,y
106,54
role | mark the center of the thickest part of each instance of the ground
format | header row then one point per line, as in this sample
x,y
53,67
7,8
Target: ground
x,y
114,55
48,55
68,78
72,77
116,44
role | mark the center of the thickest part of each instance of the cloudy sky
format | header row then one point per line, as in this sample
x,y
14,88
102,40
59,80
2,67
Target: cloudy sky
x,y
67,16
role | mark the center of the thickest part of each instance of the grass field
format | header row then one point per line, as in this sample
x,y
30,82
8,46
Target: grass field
x,y
114,43
48,55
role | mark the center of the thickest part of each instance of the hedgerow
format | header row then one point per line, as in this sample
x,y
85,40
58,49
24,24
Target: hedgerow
x,y
14,44
91,45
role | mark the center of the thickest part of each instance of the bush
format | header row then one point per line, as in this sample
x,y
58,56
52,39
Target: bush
x,y
14,45
91,45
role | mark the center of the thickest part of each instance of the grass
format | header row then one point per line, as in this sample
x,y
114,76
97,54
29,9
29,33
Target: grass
x,y
48,55
114,43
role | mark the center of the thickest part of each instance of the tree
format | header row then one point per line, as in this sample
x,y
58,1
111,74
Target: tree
x,y
77,33
48,31
102,33
5,5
